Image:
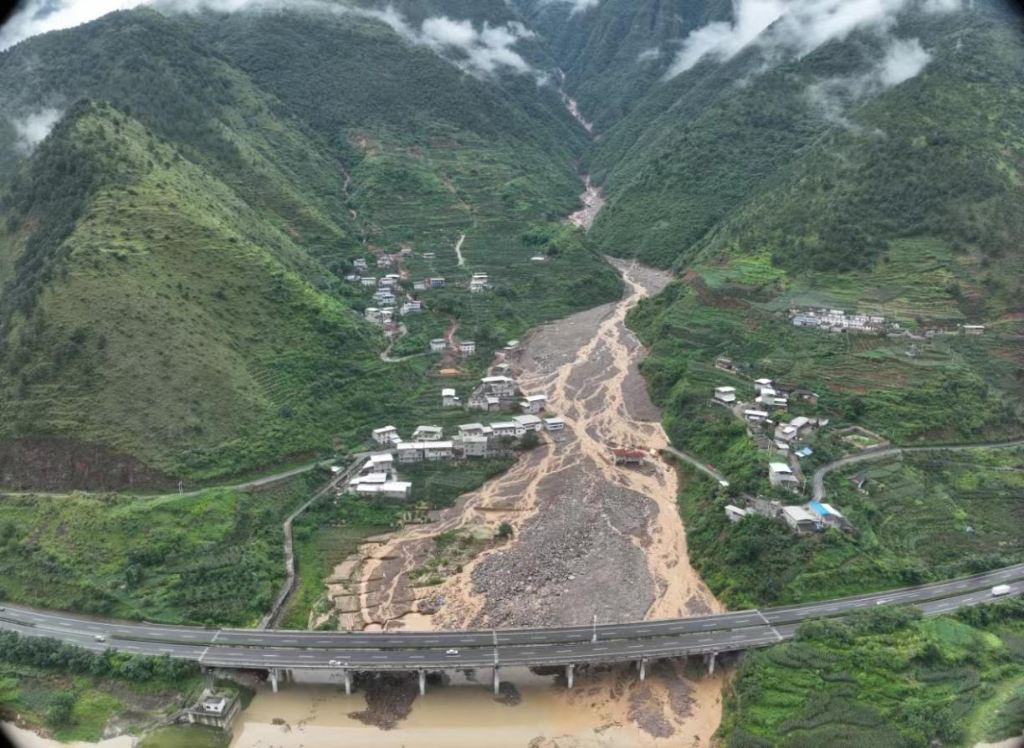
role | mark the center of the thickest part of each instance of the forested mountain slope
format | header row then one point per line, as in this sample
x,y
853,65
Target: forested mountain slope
x,y
172,254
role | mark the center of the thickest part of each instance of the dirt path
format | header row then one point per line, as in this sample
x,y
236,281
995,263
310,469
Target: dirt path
x,y
592,204
458,249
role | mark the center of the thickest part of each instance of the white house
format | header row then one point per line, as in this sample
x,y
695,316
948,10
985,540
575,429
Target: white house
x,y
761,384
384,261
386,435
500,386
412,306
471,429
755,416
376,479
786,433
410,451
379,463
479,283
800,519
725,395
474,446
781,474
534,403
435,282
554,424
538,258
419,285
501,369
508,428
438,344
428,255
372,314
359,263
427,434
448,398
735,513
369,282
396,489
467,347
528,423
437,450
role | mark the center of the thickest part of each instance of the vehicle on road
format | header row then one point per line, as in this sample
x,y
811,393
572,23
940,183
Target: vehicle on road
x,y
1000,589
100,638
451,653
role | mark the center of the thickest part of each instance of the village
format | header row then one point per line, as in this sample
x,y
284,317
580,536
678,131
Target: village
x,y
785,438
839,321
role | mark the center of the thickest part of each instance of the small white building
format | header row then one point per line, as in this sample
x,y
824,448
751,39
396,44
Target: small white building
x,y
528,423
412,306
369,282
781,474
449,399
419,285
501,386
501,369
385,435
755,416
471,429
379,463
438,344
735,513
359,263
467,347
508,428
409,452
554,424
725,395
427,434
428,255
974,329
396,489
800,519
761,384
474,446
437,450
533,403
538,258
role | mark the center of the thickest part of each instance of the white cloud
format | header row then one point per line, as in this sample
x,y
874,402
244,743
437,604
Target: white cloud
x,y
33,127
651,53
903,60
578,6
482,51
797,26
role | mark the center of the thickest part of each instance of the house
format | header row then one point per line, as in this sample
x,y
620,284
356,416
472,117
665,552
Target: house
x,y
554,424
800,519
428,255
501,386
410,451
379,463
437,450
467,347
786,433
533,403
725,395
755,416
501,369
859,481
483,401
782,448
438,344
828,515
471,429
387,282
528,423
369,479
734,513
384,298
214,710
352,278
419,286
412,306
369,282
386,435
508,428
359,263
629,456
384,261
538,258
802,424
478,283
427,434
761,384
386,313
781,474
396,490
474,446
805,394
372,314
449,399
435,282
511,346
724,363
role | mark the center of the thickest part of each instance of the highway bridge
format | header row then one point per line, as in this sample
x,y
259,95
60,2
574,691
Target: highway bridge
x,y
281,651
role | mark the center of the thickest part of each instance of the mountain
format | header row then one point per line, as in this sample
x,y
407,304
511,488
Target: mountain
x,y
172,254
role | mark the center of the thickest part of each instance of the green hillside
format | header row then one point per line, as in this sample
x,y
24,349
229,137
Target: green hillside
x,y
172,255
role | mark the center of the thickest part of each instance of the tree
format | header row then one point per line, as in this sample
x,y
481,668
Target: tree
x,y
530,440
505,531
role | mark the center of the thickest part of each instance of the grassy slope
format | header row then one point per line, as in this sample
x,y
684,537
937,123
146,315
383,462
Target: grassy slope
x,y
224,224
883,682
214,557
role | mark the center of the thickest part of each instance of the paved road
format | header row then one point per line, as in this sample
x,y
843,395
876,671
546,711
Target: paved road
x,y
405,650
704,468
819,475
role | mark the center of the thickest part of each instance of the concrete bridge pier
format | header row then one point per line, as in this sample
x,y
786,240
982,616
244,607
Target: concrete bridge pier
x,y
348,682
423,682
273,679
643,669
569,672
710,659
497,682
